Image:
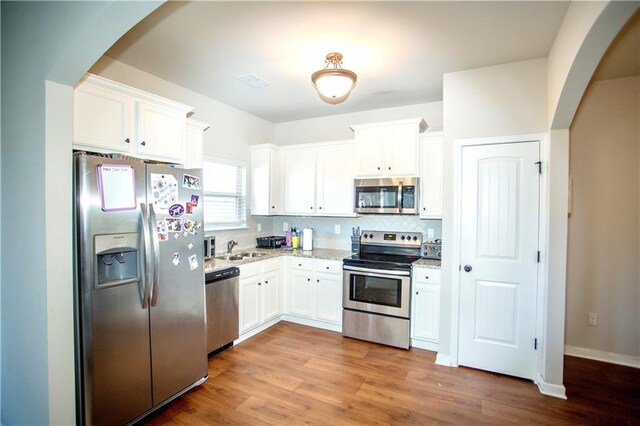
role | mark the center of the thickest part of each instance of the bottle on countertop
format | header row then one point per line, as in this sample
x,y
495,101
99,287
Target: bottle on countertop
x,y
295,238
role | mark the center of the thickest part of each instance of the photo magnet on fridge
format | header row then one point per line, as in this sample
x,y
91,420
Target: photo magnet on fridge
x,y
165,190
189,209
194,200
190,181
176,258
161,229
193,261
173,224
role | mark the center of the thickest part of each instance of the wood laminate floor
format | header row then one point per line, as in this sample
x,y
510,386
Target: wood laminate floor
x,y
292,374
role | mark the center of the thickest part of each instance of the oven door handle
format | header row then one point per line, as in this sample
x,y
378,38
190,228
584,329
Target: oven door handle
x,y
369,271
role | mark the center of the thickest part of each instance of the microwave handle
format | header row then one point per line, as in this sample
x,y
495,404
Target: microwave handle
x,y
400,197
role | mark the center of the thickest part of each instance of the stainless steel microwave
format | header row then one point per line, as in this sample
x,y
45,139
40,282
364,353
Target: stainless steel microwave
x,y
387,196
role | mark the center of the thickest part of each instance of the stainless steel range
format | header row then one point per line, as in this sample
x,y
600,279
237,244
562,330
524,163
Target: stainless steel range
x,y
377,287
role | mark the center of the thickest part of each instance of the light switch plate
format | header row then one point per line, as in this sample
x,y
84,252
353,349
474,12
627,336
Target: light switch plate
x,y
336,229
259,227
431,233
285,226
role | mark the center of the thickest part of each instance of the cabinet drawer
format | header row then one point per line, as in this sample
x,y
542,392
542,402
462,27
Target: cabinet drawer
x,y
426,275
299,263
270,265
249,270
328,266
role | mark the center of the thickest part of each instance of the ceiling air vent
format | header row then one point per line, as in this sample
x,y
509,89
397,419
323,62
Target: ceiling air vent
x,y
253,81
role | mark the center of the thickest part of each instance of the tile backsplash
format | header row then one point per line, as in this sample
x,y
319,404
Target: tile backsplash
x,y
324,235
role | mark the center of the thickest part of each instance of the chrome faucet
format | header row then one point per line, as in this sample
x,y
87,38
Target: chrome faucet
x,y
230,245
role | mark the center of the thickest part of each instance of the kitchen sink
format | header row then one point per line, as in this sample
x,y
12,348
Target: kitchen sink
x,y
231,257
240,256
252,254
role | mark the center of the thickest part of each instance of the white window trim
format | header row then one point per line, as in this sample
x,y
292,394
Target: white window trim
x,y
231,225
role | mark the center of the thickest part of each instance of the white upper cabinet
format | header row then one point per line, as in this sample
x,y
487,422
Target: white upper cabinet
x,y
102,118
299,169
111,117
389,149
194,144
265,180
431,175
334,180
318,180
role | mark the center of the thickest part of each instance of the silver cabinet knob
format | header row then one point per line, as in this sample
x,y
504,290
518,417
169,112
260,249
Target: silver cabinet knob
x,y
467,268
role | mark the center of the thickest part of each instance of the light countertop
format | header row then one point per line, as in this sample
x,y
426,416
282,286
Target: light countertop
x,y
317,253
427,263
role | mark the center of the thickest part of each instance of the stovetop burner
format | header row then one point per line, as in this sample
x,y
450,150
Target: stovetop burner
x,y
387,250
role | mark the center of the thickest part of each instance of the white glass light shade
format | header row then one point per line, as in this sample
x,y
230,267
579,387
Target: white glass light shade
x,y
334,85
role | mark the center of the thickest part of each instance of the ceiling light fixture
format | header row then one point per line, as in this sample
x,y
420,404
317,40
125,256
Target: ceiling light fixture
x,y
334,85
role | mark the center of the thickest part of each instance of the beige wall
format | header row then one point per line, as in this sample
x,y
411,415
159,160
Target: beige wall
x,y
604,227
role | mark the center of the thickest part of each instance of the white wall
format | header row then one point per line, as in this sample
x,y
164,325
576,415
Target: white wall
x,y
39,38
336,127
604,227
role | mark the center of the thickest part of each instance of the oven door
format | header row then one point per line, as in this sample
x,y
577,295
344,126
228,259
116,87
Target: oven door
x,y
377,290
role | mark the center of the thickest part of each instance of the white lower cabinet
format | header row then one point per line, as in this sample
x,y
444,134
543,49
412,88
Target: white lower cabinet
x,y
315,290
425,307
259,293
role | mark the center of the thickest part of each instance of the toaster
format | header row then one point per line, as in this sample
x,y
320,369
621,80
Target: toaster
x,y
431,249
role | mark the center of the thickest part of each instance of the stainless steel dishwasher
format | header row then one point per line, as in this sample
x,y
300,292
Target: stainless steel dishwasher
x,y
222,308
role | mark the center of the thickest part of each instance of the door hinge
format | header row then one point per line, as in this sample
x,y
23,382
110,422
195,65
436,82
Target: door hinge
x,y
539,163
538,256
535,344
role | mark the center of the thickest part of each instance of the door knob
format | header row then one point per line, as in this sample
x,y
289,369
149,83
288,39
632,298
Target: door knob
x,y
467,268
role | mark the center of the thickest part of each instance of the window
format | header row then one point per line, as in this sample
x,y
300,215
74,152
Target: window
x,y
225,200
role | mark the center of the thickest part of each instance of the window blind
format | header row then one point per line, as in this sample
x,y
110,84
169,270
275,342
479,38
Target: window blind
x,y
225,200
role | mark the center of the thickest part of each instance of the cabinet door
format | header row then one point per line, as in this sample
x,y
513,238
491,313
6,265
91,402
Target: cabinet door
x,y
431,154
249,304
329,297
400,150
301,292
264,181
161,132
334,186
299,171
368,152
426,313
270,296
193,145
102,119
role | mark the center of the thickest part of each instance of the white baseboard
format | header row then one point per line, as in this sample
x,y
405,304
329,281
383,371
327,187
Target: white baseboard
x,y
557,391
244,336
423,344
610,357
313,323
445,360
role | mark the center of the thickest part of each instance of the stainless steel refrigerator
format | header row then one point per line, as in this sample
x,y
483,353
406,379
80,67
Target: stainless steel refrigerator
x,y
140,311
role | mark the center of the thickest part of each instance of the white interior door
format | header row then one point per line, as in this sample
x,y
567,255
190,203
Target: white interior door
x,y
498,257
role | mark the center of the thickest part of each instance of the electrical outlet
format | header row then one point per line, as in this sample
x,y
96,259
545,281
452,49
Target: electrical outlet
x,y
336,229
431,233
592,319
285,226
259,227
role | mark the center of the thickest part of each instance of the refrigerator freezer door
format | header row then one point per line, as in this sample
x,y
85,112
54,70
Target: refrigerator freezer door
x,y
114,327
178,328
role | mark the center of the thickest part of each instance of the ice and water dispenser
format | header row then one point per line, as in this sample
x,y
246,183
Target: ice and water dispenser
x,y
117,259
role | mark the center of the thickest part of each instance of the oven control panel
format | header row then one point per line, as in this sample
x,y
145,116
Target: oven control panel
x,y
399,239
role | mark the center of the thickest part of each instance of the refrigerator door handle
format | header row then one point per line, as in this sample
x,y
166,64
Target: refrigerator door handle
x,y
146,257
156,257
